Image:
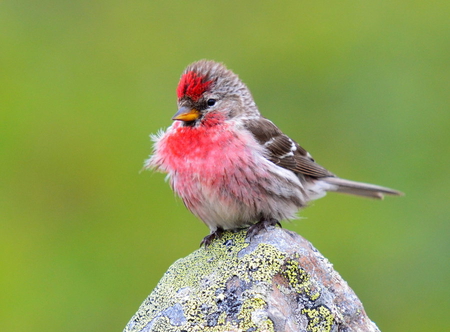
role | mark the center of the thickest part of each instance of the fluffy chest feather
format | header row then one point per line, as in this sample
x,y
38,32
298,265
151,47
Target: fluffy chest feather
x,y
204,152
223,176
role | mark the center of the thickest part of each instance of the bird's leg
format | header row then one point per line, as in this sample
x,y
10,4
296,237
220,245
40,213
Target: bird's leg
x,y
208,239
259,226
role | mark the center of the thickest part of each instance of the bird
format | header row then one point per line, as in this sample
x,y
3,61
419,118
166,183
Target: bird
x,y
232,167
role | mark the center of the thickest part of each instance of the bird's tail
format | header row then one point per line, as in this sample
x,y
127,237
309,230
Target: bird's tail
x,y
359,188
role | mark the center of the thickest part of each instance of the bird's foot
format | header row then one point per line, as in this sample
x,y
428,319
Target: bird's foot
x,y
208,239
261,225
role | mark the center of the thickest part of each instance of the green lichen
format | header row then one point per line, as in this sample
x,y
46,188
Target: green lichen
x,y
320,319
252,316
220,288
299,279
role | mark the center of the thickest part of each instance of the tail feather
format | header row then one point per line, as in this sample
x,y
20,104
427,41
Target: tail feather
x,y
359,188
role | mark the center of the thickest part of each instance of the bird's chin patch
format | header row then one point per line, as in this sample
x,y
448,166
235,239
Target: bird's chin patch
x,y
193,123
189,123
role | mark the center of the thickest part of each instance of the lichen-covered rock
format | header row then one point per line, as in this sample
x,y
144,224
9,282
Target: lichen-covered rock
x,y
276,282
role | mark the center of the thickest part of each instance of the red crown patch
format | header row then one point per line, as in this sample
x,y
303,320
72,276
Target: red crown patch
x,y
191,85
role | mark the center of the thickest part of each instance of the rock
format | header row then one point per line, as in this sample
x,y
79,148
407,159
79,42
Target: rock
x,y
276,282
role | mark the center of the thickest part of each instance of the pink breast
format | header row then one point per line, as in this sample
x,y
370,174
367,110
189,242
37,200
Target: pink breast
x,y
210,159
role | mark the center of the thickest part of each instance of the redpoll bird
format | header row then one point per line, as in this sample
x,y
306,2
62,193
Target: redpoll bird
x,y
232,167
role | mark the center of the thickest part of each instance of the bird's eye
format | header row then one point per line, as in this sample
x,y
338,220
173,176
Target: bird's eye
x,y
211,102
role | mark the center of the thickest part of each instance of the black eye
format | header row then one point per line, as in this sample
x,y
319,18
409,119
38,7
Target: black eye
x,y
211,102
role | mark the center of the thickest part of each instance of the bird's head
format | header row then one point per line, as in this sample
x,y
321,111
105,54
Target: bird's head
x,y
208,89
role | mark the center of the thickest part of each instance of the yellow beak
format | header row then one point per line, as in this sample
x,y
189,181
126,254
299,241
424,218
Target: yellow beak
x,y
186,114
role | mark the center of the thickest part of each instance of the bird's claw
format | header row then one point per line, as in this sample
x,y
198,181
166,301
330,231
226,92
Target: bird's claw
x,y
208,239
261,225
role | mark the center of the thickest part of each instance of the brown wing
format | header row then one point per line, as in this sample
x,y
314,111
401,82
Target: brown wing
x,y
284,151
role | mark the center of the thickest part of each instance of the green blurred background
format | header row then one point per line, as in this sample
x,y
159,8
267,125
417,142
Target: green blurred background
x,y
363,85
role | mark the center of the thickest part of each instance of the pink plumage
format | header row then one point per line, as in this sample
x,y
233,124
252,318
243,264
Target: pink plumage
x,y
232,167
222,176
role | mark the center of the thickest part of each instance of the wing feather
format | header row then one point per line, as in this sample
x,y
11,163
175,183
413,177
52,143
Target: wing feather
x,y
284,151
